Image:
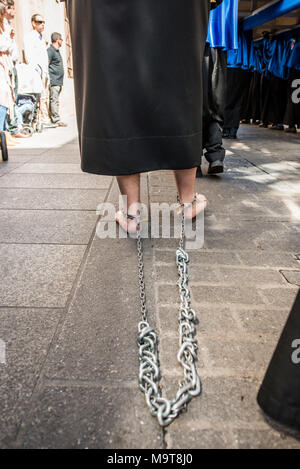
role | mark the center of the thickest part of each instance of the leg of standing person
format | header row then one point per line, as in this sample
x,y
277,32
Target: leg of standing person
x,y
54,93
238,82
214,87
44,105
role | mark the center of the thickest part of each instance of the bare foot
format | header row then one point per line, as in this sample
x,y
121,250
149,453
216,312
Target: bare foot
x,y
127,224
192,209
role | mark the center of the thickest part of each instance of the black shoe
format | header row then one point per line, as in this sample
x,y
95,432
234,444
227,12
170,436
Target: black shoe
x,y
233,133
264,125
277,127
50,125
291,130
216,167
199,172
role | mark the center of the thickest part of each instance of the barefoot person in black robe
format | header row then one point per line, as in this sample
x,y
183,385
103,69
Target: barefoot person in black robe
x,y
138,83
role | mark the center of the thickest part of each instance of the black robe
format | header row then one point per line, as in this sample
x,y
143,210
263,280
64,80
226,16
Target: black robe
x,y
279,395
292,113
138,83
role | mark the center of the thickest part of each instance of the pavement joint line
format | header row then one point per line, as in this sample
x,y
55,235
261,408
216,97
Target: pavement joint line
x,y
157,314
237,320
234,251
57,188
287,280
213,372
45,210
33,308
259,167
266,220
258,287
54,188
40,376
155,294
229,336
242,306
223,425
75,383
232,266
41,244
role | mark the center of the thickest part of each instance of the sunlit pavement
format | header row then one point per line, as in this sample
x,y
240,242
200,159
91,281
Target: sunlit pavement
x,y
70,305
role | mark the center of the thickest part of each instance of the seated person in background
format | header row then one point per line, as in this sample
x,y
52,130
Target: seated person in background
x,y
24,105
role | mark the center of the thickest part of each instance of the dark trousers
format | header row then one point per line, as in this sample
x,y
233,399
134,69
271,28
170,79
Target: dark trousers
x,y
273,99
237,87
252,109
214,87
54,103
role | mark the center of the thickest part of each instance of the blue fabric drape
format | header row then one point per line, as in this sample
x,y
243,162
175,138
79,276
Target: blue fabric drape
x,y
269,56
240,57
223,26
294,55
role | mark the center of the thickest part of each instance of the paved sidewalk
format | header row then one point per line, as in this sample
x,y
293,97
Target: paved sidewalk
x,y
70,307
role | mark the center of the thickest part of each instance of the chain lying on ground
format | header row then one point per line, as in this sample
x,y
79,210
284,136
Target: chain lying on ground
x,y
149,375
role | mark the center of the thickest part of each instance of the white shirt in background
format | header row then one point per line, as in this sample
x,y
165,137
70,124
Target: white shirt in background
x,y
5,39
35,49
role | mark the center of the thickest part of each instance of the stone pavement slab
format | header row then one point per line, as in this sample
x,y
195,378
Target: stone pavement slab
x,y
27,334
82,387
8,167
55,181
98,339
78,417
57,157
272,259
38,275
46,226
48,168
269,323
51,199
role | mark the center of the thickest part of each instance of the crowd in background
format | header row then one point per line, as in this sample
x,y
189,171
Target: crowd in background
x,y
29,91
262,81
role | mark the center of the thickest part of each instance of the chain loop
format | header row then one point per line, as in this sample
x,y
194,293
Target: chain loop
x,y
149,376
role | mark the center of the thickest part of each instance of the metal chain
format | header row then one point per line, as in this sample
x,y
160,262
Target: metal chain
x,y
149,374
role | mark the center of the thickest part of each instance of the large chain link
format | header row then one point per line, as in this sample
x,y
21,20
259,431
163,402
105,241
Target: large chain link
x,y
149,374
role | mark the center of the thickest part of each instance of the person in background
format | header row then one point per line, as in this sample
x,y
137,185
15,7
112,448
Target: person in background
x,y
9,16
35,49
292,113
12,122
222,35
7,98
56,74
